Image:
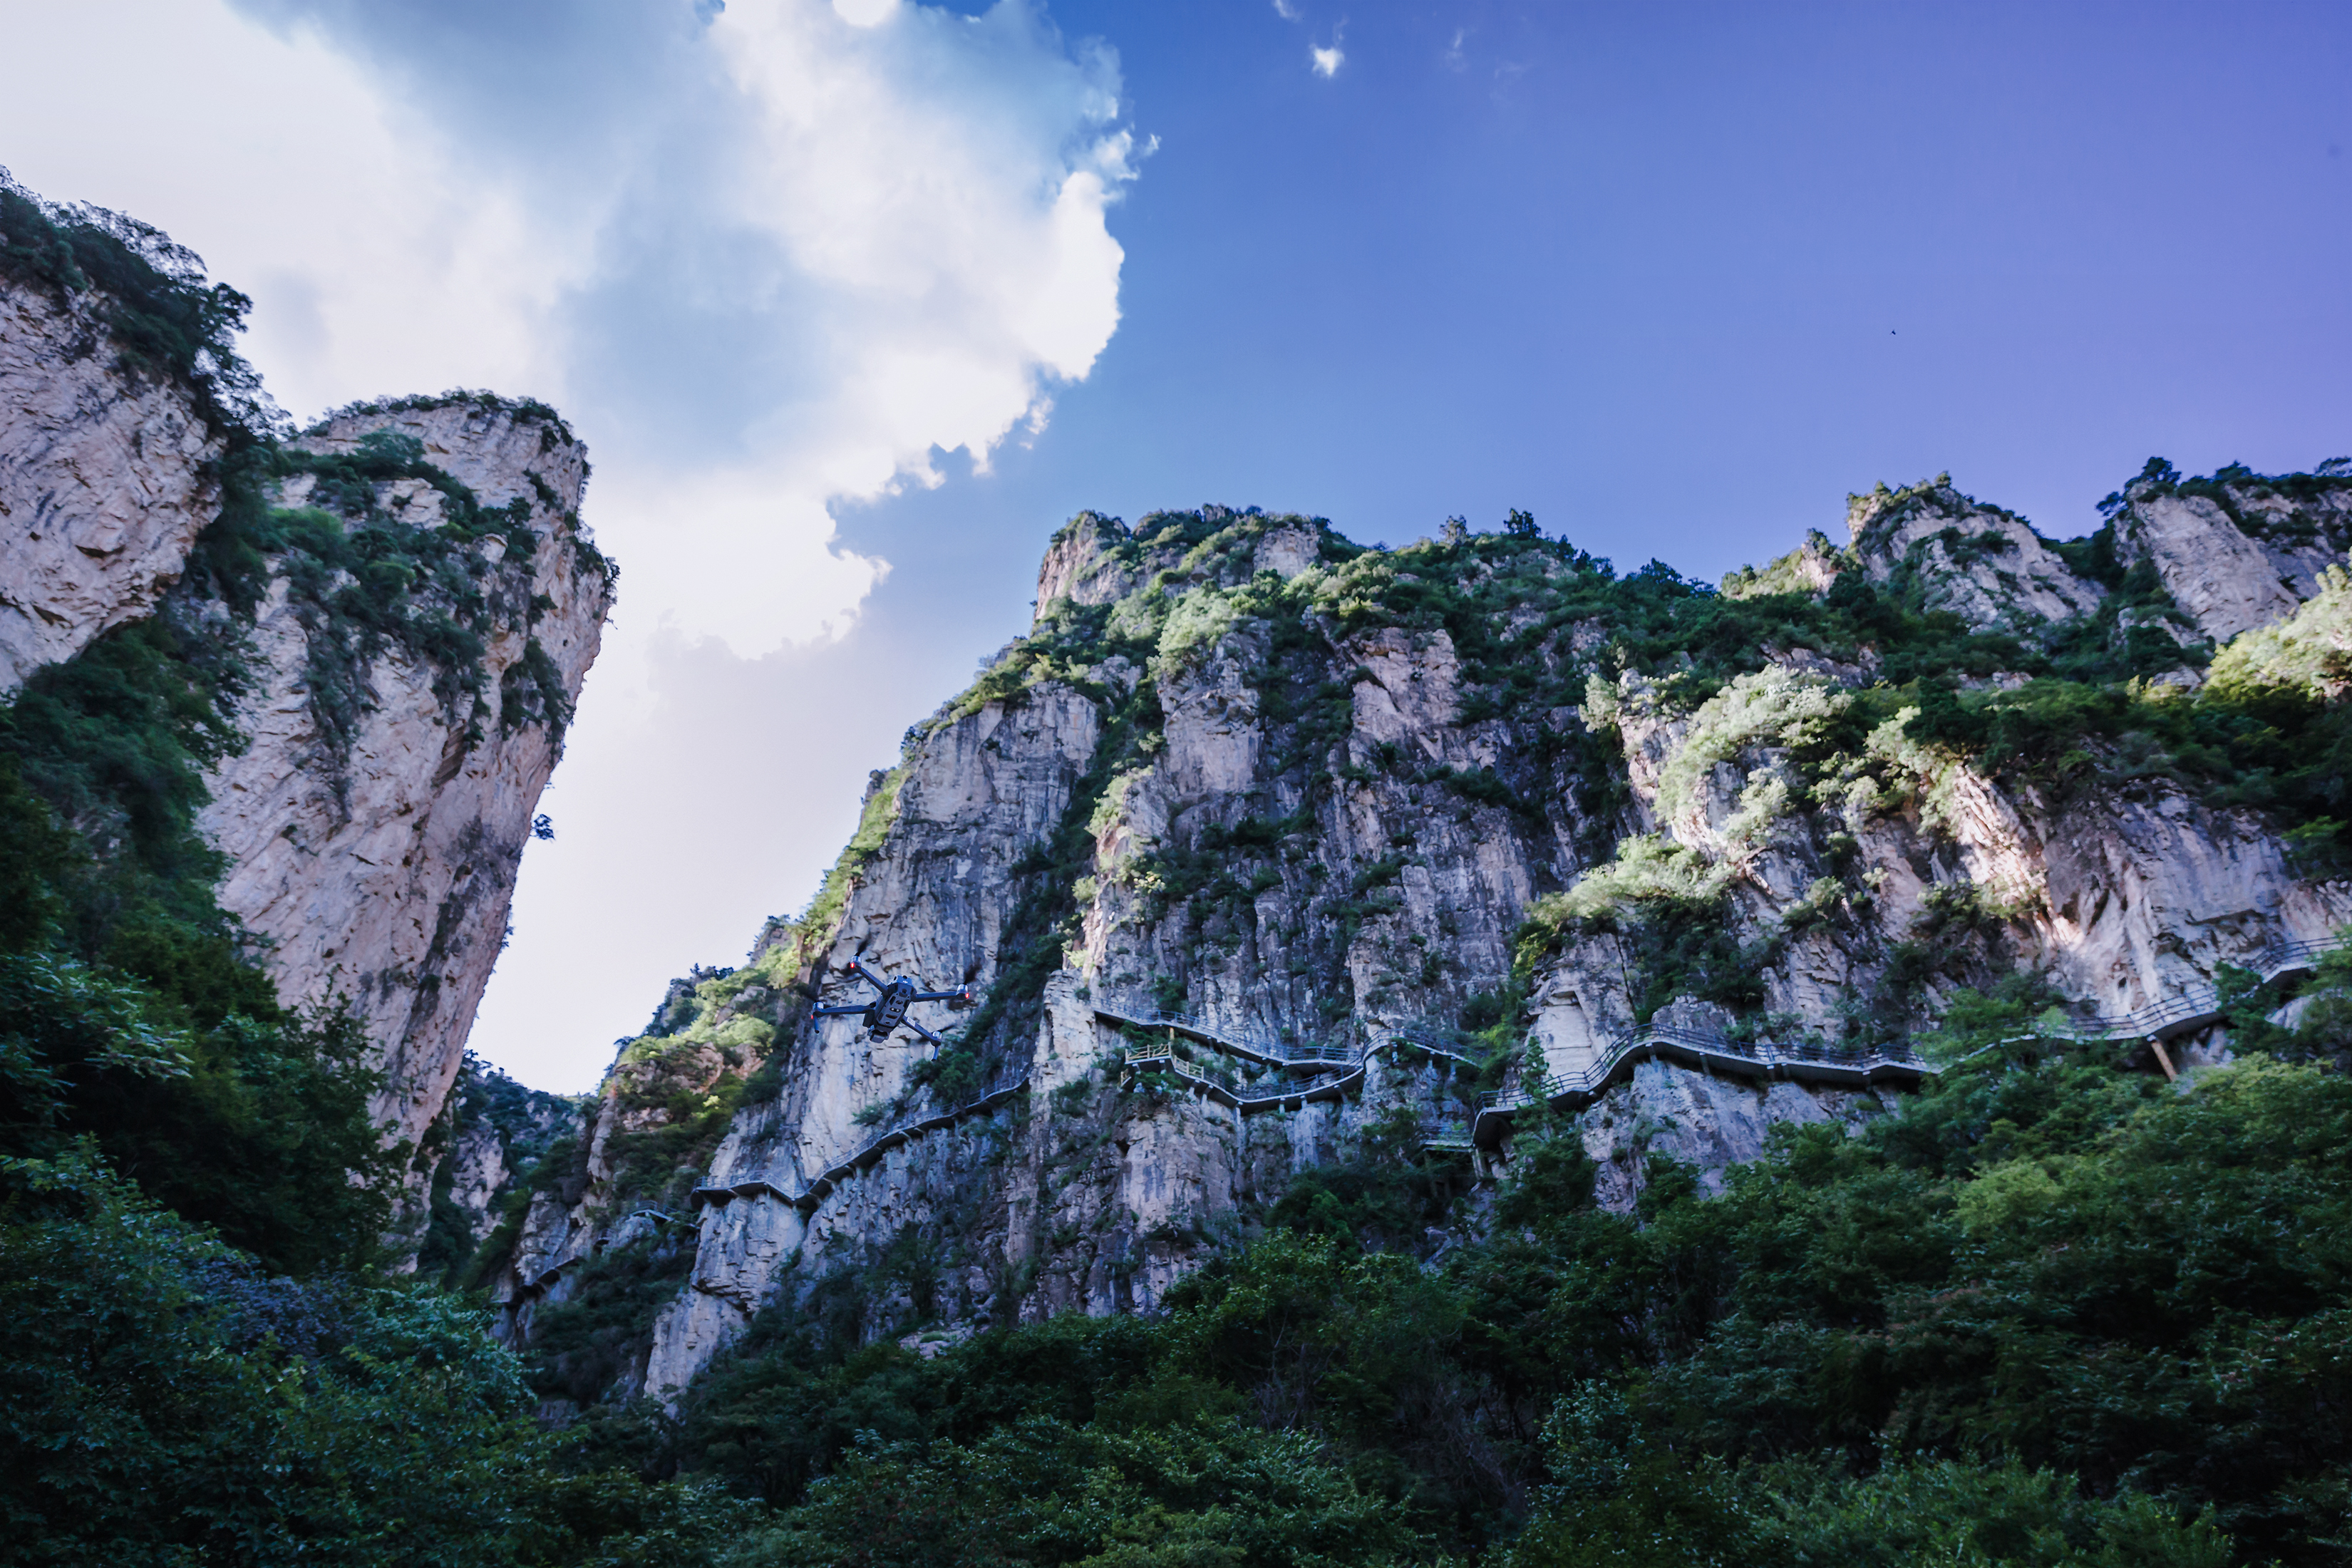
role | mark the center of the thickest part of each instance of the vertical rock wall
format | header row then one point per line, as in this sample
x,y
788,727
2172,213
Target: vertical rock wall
x,y
379,866
1205,783
103,482
375,859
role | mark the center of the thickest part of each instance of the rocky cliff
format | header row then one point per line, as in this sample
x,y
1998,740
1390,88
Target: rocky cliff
x,y
1267,852
105,480
393,762
395,610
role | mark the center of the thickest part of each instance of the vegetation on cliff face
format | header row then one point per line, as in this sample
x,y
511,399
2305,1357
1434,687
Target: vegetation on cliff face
x,y
2100,1320
239,1114
2049,1313
1553,647
254,1119
206,1363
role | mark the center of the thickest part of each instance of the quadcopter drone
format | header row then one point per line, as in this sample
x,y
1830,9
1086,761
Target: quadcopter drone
x,y
888,1010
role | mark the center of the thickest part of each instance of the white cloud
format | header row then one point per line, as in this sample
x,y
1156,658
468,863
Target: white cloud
x,y
1328,61
930,192
822,240
1285,10
374,265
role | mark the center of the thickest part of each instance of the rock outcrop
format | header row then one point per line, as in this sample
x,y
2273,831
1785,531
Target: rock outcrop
x,y
2239,550
377,860
105,481
418,607
1980,562
1393,831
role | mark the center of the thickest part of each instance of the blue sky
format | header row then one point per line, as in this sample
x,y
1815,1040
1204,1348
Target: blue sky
x,y
1675,277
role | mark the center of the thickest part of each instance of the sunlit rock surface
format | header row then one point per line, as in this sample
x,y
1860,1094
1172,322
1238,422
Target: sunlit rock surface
x,y
1211,782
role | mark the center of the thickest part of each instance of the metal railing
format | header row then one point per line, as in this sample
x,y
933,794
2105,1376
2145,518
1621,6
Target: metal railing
x,y
2200,1003
1445,1135
1005,1088
1273,1053
1801,1061
1435,1045
1245,1098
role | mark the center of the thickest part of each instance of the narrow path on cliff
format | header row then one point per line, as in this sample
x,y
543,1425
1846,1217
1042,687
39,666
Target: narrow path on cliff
x,y
872,1151
1339,1071
2194,1008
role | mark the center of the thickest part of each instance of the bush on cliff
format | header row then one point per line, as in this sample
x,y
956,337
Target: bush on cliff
x,y
258,1120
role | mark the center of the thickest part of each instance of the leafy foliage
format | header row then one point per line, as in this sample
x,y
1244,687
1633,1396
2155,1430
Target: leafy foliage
x,y
163,1401
119,962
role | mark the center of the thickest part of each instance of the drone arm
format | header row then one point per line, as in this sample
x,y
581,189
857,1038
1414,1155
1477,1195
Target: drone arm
x,y
911,1024
857,967
831,1012
939,996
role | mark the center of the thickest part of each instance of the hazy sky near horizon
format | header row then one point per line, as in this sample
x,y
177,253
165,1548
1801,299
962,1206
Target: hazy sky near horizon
x,y
855,301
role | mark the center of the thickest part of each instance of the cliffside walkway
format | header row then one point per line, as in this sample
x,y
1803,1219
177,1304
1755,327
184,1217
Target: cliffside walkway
x,y
2195,1009
1286,1097
1338,1059
1339,1071
1711,1053
871,1152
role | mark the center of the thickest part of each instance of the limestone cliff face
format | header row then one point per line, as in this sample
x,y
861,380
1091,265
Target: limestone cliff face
x,y
421,606
1393,831
2239,550
1980,562
378,861
104,482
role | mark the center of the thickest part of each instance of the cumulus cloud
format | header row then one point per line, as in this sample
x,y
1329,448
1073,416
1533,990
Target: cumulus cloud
x,y
374,265
928,192
922,200
769,257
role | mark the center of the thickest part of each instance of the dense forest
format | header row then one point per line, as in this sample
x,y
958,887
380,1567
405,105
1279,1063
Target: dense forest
x,y
2052,1311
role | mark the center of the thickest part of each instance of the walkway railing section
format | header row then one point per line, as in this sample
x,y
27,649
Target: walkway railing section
x,y
1443,1045
870,1151
1340,1068
1802,1062
1270,1053
1246,1099
2201,1004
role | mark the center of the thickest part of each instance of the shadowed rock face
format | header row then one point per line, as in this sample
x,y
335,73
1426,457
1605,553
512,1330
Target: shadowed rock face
x,y
103,483
372,848
1316,796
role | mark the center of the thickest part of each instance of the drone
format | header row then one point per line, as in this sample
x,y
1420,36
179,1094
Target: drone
x,y
888,1010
